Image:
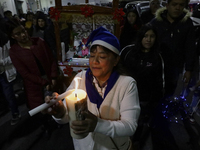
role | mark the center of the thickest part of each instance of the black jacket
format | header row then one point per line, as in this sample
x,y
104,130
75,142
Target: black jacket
x,y
147,16
147,70
177,39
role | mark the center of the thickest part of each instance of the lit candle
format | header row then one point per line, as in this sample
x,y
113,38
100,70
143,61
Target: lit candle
x,y
76,103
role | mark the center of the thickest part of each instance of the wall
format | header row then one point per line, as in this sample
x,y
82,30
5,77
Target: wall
x,y
10,5
35,5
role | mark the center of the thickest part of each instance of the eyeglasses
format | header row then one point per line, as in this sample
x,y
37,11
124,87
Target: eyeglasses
x,y
23,31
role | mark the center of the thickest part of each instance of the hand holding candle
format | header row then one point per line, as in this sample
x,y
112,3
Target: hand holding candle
x,y
45,105
76,103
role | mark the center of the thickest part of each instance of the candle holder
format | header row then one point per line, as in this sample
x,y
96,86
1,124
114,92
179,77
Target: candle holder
x,y
76,103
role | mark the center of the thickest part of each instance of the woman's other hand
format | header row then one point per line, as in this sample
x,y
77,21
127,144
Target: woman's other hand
x,y
58,109
85,126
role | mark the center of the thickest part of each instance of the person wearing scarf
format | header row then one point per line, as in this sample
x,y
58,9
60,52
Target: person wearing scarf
x,y
41,25
112,99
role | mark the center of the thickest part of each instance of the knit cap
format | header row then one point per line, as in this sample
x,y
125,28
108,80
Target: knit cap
x,y
103,37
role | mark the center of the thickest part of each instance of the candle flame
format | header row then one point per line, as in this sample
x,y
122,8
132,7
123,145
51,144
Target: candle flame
x,y
76,82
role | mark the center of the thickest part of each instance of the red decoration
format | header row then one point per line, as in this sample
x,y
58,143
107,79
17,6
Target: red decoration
x,y
54,13
87,11
118,14
68,70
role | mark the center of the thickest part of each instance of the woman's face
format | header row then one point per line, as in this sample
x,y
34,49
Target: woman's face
x,y
102,62
132,18
148,39
41,23
20,34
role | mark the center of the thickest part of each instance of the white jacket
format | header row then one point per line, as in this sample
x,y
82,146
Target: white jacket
x,y
6,63
117,116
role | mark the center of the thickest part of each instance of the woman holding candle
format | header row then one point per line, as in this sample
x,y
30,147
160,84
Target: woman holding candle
x,y
112,99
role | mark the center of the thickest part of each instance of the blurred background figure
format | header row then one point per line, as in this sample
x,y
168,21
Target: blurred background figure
x,y
148,15
128,31
7,74
35,63
7,15
196,11
41,25
144,63
29,24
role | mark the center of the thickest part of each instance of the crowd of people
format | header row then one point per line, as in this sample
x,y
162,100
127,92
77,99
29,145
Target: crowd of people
x,y
27,56
126,82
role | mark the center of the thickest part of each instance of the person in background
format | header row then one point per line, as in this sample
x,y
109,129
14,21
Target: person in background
x,y
196,11
41,25
176,36
113,109
29,25
149,14
7,15
7,74
35,63
50,37
128,31
145,65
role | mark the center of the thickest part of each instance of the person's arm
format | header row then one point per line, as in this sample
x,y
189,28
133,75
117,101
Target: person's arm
x,y
190,52
6,59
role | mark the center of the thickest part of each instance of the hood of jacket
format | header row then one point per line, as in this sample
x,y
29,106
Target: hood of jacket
x,y
160,11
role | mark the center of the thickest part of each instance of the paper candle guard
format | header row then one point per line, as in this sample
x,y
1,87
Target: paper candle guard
x,y
81,105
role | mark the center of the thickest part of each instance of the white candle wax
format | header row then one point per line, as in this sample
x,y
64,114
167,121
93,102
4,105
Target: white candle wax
x,y
53,101
76,102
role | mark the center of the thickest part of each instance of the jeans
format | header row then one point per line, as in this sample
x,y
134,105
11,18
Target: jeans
x,y
9,94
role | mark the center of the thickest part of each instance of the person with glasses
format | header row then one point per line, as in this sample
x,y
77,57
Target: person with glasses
x,y
148,15
35,63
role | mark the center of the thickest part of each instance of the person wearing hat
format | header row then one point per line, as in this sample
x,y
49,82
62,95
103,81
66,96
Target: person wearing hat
x,y
41,25
112,99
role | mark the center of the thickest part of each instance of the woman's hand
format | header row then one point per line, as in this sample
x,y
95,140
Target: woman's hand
x,y
58,109
85,126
